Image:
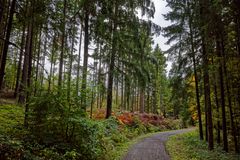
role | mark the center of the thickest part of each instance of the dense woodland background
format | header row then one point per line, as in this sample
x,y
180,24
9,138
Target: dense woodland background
x,y
65,60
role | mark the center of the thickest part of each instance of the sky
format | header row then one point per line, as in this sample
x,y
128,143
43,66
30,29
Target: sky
x,y
160,6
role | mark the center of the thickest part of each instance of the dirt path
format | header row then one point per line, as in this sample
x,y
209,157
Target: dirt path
x,y
152,148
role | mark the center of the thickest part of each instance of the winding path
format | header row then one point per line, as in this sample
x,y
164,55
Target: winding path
x,y
152,148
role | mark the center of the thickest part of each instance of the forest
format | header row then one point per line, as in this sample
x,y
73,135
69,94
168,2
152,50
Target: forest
x,y
84,79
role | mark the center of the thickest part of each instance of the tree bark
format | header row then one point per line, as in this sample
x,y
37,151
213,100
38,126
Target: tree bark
x,y
23,84
99,80
19,68
208,99
44,59
142,100
236,6
218,114
204,11
155,100
221,81
2,3
233,129
112,62
3,23
37,63
52,62
70,68
78,63
196,81
6,43
27,66
85,61
60,76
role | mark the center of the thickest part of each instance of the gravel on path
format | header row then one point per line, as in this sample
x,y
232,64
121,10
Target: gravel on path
x,y
153,147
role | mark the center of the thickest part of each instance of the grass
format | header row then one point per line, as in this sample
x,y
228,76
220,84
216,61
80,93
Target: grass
x,y
11,117
188,146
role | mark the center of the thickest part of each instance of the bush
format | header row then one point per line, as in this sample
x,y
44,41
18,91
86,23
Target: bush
x,y
60,130
172,124
53,122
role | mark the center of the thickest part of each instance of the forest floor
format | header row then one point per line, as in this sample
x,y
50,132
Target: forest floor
x,y
188,146
153,147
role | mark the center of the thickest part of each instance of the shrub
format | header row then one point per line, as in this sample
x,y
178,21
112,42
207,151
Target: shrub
x,y
55,122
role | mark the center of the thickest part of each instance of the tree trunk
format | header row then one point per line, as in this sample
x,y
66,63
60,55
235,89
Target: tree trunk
x,y
148,101
29,74
78,63
44,60
122,89
2,3
236,6
3,23
60,76
116,99
112,63
155,100
132,99
27,66
142,100
38,59
99,80
196,80
6,43
204,11
224,123
70,69
127,94
19,68
207,95
228,81
23,84
85,61
218,114
52,62
198,99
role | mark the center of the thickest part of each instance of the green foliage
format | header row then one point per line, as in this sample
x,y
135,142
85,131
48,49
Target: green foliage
x,y
55,122
73,136
173,124
188,146
11,119
49,112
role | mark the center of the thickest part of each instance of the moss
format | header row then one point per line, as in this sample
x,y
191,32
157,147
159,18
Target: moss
x,y
188,146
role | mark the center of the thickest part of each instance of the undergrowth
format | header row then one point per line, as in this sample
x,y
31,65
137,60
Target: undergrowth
x,y
188,146
58,132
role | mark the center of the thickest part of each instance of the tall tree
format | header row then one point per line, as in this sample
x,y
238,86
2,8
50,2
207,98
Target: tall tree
x,y
112,58
193,53
85,57
61,58
6,42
